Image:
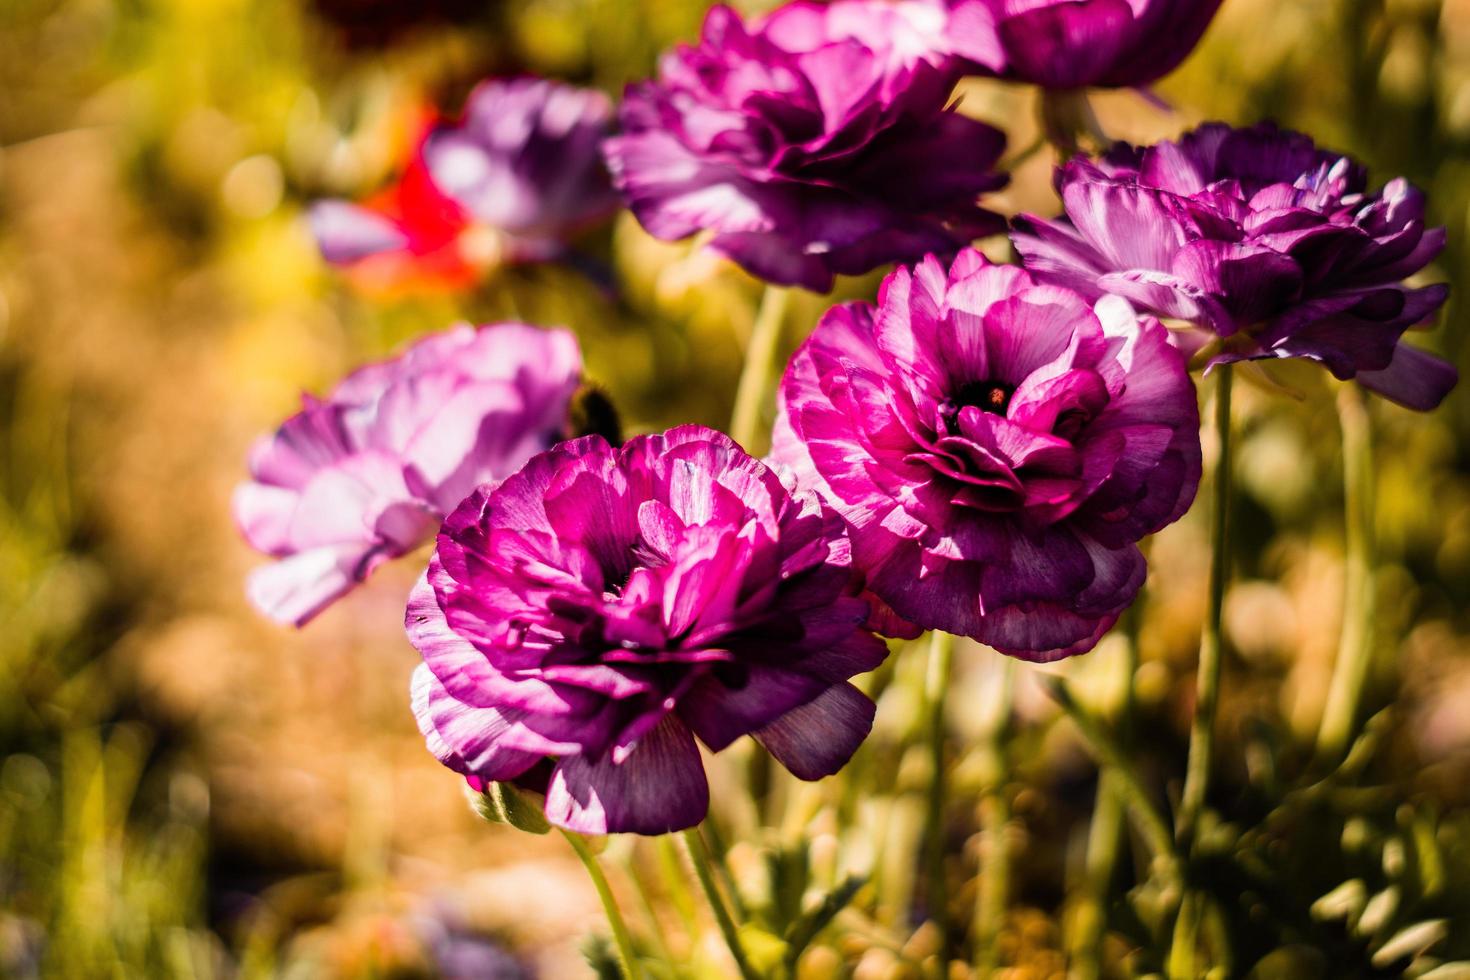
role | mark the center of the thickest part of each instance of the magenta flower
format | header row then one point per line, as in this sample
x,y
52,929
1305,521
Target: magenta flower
x,y
368,473
812,142
997,448
583,622
513,181
1261,240
1070,44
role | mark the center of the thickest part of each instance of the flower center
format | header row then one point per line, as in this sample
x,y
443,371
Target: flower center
x,y
640,555
988,396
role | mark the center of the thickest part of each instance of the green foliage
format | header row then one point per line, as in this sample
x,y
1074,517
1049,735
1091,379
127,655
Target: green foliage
x,y
504,803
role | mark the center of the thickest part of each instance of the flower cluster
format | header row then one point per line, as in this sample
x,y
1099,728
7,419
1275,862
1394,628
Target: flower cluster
x,y
367,473
513,181
979,452
1256,236
816,141
997,447
604,607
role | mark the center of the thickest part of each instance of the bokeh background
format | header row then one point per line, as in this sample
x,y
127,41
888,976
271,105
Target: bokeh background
x,y
188,790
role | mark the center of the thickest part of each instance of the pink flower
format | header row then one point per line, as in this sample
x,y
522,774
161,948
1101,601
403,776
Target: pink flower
x,y
818,140
997,448
603,608
1270,246
368,473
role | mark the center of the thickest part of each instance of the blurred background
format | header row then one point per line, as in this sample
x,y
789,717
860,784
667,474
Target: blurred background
x,y
188,790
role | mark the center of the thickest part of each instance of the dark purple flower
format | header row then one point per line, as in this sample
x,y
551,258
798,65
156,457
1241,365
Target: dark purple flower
x,y
603,607
368,473
817,140
513,181
1070,44
997,448
1273,246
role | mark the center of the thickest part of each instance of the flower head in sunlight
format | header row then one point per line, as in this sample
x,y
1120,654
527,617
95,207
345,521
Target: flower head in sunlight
x,y
997,448
514,180
367,473
1270,246
1071,44
814,141
585,621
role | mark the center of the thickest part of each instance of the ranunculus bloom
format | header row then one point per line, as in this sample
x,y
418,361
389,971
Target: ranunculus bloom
x,y
815,141
368,473
997,448
512,181
603,607
1268,243
1070,44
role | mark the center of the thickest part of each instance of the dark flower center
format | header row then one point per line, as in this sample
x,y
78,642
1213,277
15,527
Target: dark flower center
x,y
988,396
640,555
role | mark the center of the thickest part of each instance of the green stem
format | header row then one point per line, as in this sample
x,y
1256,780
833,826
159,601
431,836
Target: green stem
x,y
1104,835
649,908
1105,832
994,884
1207,696
1181,963
760,366
936,682
1355,648
1066,116
699,857
720,853
676,882
622,940
1147,818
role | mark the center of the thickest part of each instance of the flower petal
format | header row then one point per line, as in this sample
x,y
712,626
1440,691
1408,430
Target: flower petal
x,y
658,788
817,739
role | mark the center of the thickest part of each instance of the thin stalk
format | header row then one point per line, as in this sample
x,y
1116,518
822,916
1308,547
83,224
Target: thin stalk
x,y
994,886
1066,116
1207,696
1105,832
1181,963
720,853
675,882
1355,647
649,908
760,366
699,857
936,682
1104,837
1147,818
622,940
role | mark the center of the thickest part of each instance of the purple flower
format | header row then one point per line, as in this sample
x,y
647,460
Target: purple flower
x,y
1272,246
812,142
517,177
997,448
368,473
1070,44
583,622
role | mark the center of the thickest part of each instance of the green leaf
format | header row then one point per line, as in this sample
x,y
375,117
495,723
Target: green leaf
x,y
1346,901
1411,941
1379,911
806,928
504,803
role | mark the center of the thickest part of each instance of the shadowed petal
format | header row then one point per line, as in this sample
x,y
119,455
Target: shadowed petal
x,y
658,788
817,739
